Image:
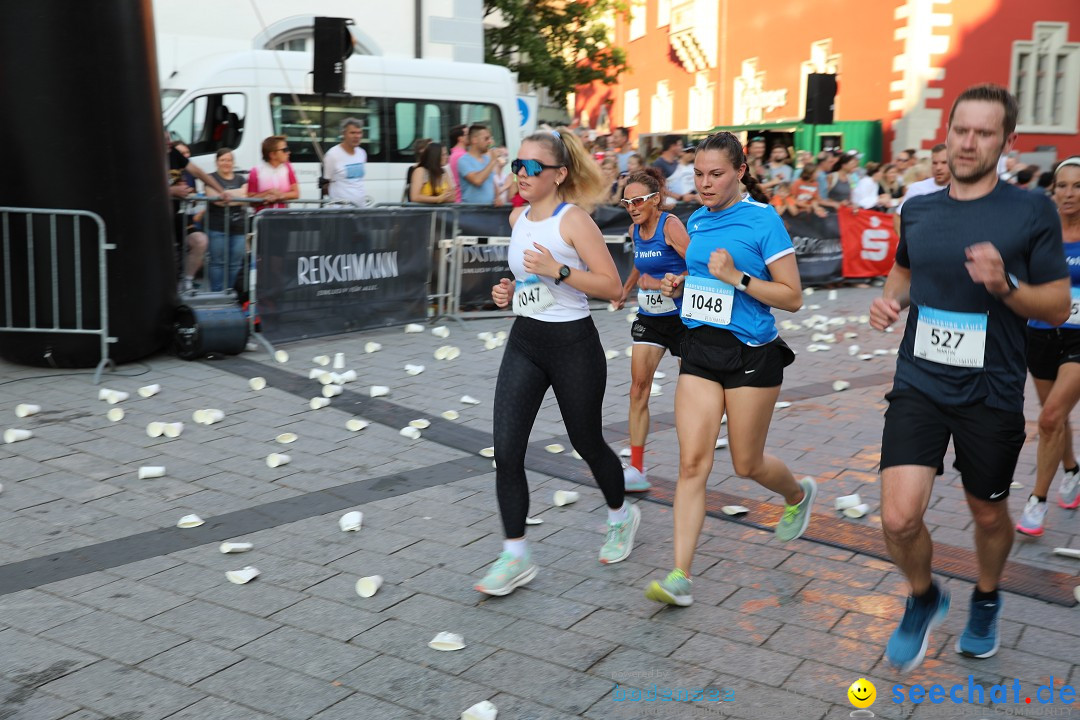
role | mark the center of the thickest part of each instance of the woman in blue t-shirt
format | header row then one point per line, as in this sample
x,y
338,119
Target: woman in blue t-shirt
x,y
741,265
1053,358
660,242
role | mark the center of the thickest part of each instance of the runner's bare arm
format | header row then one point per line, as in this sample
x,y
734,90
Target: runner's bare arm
x,y
885,310
1049,302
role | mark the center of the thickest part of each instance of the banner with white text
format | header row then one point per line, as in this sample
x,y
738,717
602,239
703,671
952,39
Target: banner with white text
x,y
869,240
323,272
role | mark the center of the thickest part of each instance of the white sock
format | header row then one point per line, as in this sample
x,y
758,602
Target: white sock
x,y
618,516
517,548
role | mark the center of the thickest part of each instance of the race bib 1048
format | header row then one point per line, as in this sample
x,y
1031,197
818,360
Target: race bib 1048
x,y
951,338
653,302
531,297
1074,309
708,300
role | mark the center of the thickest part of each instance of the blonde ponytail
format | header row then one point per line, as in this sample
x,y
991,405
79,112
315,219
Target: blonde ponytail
x,y
584,186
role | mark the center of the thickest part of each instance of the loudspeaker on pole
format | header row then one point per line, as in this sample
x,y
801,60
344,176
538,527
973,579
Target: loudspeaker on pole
x,y
820,98
333,45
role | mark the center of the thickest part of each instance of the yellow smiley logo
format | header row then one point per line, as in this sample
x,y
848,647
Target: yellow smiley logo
x,y
862,693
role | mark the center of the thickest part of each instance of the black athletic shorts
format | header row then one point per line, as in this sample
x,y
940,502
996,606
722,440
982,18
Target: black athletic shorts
x,y
664,331
715,354
1049,349
987,440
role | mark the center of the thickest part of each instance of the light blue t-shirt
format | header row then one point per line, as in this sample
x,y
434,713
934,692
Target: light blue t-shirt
x,y
484,193
755,236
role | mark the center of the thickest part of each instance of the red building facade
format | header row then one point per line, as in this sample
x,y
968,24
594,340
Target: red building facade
x,y
696,64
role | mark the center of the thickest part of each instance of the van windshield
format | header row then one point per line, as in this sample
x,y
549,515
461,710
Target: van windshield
x,y
168,97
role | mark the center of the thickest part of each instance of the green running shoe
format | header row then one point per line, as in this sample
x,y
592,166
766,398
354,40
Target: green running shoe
x,y
797,517
620,537
507,573
673,590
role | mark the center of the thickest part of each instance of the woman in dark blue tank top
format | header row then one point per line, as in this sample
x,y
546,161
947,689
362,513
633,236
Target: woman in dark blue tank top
x,y
660,242
1053,359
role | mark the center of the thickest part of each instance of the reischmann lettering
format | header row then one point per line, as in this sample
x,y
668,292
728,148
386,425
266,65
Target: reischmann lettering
x,y
319,269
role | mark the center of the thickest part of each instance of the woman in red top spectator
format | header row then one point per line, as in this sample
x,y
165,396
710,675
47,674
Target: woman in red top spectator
x,y
273,179
804,190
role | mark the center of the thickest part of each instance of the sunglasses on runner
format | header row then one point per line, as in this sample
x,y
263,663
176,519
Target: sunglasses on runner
x,y
636,201
532,167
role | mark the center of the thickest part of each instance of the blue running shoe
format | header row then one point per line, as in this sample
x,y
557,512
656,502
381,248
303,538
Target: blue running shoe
x,y
980,638
907,646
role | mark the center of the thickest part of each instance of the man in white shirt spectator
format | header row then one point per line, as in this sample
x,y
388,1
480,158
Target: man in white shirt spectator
x,y
343,165
940,177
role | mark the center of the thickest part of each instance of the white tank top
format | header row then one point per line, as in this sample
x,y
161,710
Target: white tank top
x,y
570,304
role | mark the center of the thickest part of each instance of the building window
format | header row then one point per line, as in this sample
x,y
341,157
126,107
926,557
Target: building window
x,y
701,102
663,13
1045,78
661,107
631,108
637,19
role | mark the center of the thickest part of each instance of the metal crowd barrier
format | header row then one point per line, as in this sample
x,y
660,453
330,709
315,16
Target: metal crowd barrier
x,y
42,320
189,207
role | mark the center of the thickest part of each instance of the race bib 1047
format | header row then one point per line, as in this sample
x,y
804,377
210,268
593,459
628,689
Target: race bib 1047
x,y
531,297
708,300
951,338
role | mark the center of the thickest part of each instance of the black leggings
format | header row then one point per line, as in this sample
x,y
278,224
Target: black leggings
x,y
569,358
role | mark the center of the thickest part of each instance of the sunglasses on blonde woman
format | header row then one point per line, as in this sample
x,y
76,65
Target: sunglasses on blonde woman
x,y
532,167
636,201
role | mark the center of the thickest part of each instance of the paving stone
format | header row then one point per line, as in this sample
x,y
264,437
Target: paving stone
x,y
217,709
190,662
132,599
421,689
307,653
332,619
359,705
567,690
410,642
23,700
214,624
653,637
477,623
754,663
114,689
114,637
274,690
34,611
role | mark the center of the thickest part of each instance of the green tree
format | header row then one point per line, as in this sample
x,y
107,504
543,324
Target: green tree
x,y
555,44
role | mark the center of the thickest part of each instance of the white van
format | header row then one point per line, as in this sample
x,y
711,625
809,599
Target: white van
x,y
238,100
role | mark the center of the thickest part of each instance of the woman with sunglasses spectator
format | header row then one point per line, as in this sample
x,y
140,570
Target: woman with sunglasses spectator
x,y
741,265
660,242
273,179
559,259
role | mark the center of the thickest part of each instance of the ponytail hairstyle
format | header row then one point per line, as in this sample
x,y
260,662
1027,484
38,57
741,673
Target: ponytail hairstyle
x,y
584,184
651,177
728,143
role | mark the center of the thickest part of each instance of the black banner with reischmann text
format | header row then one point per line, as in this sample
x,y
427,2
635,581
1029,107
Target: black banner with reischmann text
x,y
323,272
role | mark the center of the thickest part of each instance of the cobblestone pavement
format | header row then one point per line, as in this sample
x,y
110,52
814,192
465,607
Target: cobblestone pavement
x,y
107,610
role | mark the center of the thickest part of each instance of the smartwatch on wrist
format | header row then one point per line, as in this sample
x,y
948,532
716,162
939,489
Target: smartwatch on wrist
x,y
564,272
1013,284
744,282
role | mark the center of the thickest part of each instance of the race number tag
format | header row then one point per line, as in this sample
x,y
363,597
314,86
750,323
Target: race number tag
x,y
1074,309
531,297
653,302
708,300
951,338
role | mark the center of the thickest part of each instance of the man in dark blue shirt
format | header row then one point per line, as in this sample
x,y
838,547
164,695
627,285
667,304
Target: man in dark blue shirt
x,y
974,263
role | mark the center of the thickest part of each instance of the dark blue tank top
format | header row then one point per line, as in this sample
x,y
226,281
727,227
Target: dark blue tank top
x,y
1072,257
654,257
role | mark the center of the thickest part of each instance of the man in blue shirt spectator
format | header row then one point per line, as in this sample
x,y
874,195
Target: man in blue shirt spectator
x,y
476,168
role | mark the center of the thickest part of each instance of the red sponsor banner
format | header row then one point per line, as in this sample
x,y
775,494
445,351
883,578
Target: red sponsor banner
x,y
869,241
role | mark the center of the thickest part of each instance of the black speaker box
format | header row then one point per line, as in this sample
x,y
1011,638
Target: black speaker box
x,y
333,45
820,97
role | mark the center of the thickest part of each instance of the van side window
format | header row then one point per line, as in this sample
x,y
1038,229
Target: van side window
x,y
210,122
412,119
301,122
